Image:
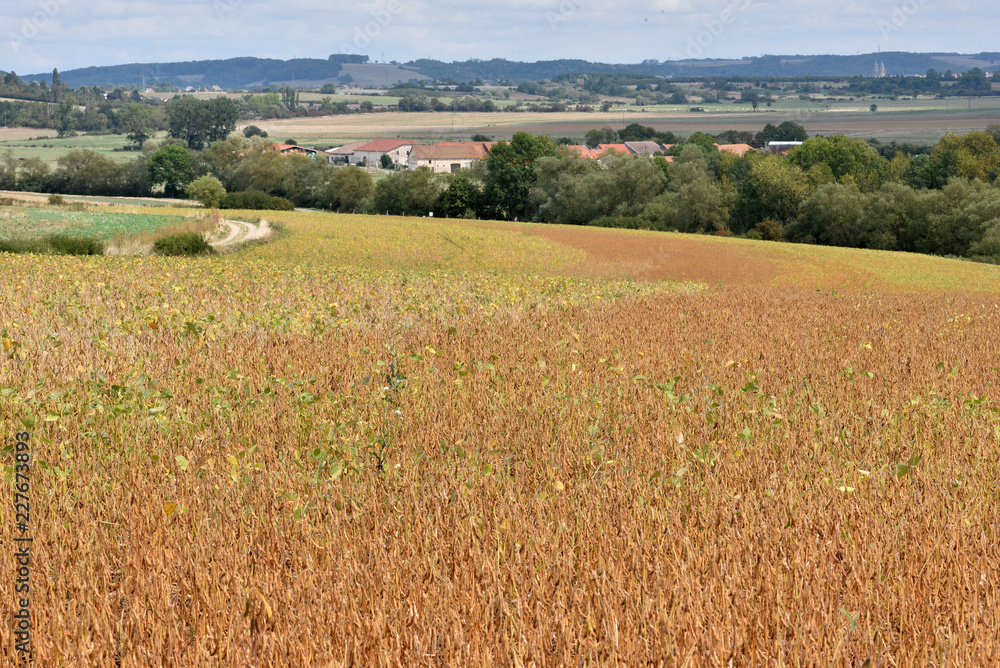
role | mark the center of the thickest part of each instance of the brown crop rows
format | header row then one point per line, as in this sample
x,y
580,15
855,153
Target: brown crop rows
x,y
266,459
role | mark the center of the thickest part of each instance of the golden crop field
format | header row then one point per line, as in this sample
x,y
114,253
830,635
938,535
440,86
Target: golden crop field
x,y
384,441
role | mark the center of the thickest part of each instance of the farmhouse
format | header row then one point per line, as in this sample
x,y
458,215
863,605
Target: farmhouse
x,y
371,152
343,154
289,149
447,157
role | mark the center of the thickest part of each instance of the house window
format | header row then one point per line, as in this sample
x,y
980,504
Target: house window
x,y
455,167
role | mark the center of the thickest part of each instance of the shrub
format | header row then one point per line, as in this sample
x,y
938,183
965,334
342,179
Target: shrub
x,y
207,189
23,245
56,200
182,243
58,244
770,230
254,199
63,244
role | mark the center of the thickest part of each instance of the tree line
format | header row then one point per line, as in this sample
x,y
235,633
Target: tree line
x,y
831,190
837,190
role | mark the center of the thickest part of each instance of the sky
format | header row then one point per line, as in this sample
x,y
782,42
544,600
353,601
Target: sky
x,y
38,35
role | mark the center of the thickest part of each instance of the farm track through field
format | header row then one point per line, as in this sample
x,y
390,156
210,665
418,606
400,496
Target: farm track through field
x,y
240,231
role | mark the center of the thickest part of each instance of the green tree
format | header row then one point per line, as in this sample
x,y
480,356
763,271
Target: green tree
x,y
890,212
136,121
8,171
199,122
406,193
346,189
222,116
628,183
787,131
636,132
927,171
977,155
848,159
222,158
690,164
595,137
290,98
699,205
253,131
834,215
187,119
86,172
386,161
460,200
294,177
57,85
34,175
170,166
561,195
64,118
779,187
206,189
511,175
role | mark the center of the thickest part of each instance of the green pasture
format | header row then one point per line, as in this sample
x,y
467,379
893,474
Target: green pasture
x,y
50,148
29,221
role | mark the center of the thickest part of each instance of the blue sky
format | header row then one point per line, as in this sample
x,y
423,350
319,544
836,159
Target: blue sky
x,y
38,35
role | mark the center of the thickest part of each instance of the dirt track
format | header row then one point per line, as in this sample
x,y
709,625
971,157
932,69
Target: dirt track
x,y
240,231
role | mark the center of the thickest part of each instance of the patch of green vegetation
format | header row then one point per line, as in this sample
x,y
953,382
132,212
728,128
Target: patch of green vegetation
x,y
182,244
55,244
98,224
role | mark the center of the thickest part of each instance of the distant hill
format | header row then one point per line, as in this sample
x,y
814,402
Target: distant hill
x,y
257,72
232,73
764,66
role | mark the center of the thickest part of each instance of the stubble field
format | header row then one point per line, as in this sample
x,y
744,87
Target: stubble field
x,y
383,441
920,121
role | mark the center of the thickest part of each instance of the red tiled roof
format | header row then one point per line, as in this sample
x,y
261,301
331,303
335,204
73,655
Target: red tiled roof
x,y
586,152
384,145
481,148
621,148
449,151
738,149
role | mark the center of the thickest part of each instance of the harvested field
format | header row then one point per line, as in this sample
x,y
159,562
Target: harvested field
x,y
384,441
924,121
